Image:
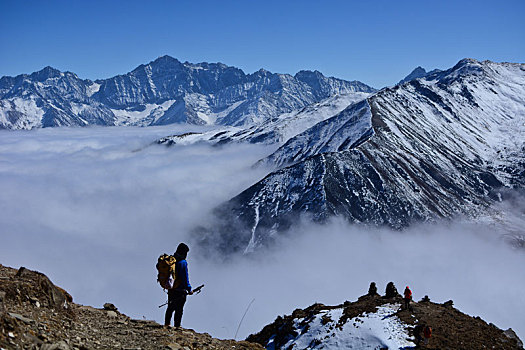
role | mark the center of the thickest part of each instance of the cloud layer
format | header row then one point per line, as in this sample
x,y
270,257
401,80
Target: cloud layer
x,y
87,209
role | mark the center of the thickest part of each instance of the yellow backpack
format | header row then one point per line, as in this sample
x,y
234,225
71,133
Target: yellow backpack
x,y
166,271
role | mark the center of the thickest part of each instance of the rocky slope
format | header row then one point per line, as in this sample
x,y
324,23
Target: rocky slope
x,y
162,92
449,144
36,314
375,322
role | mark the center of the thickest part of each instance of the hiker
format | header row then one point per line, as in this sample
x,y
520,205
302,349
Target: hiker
x,y
417,334
372,290
427,333
391,291
177,295
408,297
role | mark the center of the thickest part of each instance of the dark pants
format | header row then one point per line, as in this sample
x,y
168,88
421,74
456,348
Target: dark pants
x,y
176,301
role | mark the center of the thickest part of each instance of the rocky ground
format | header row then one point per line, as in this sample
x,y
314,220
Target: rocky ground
x,y
451,329
36,314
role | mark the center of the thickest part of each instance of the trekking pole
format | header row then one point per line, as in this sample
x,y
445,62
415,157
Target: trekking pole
x,y
245,312
195,292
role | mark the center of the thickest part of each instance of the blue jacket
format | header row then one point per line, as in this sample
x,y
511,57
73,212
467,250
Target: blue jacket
x,y
182,281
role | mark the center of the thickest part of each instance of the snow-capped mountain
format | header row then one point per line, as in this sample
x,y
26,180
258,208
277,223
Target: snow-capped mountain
x,y
162,92
444,145
49,98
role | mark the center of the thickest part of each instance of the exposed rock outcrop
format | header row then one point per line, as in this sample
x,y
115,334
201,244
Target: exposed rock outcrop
x,y
36,314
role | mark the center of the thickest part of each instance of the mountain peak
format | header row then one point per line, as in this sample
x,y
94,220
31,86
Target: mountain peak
x,y
165,61
468,61
308,74
418,72
45,73
165,58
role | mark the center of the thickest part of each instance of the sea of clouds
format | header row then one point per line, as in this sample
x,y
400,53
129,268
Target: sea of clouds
x,y
93,208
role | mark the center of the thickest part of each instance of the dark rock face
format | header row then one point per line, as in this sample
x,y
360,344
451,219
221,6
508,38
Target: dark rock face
x,y
417,152
165,91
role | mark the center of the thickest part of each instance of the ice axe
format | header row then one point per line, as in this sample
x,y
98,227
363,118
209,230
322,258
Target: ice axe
x,y
193,292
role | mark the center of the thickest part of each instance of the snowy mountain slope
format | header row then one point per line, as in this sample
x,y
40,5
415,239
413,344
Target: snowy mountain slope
x,y
162,92
218,94
445,145
343,131
375,322
436,103
49,98
376,330
276,130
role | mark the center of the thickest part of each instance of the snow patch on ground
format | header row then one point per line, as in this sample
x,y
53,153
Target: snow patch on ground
x,y
378,330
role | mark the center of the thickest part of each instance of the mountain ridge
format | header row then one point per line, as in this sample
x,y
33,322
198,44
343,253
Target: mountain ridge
x,y
380,322
437,147
163,91
36,314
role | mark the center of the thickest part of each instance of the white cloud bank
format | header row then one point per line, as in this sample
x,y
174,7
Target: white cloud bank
x,y
82,207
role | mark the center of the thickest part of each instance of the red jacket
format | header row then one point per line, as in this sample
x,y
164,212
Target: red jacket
x,y
427,332
408,293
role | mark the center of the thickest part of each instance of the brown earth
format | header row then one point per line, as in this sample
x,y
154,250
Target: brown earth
x,y
36,314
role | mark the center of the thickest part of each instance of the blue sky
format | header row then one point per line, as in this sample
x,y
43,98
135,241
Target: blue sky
x,y
376,42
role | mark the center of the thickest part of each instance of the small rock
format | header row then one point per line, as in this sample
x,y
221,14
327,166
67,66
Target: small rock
x,y
448,303
61,345
109,306
11,335
173,346
112,314
21,318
